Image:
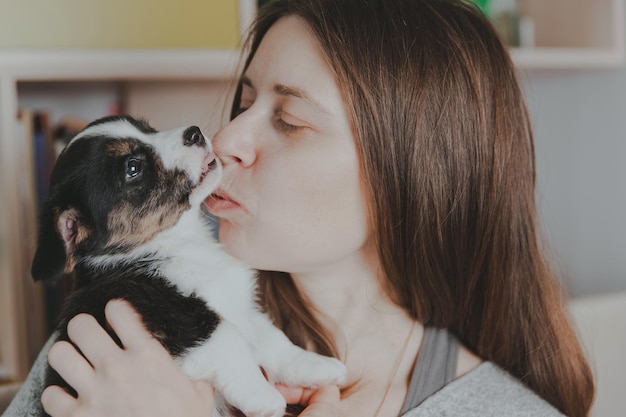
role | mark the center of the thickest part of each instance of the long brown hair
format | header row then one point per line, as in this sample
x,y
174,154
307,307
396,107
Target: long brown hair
x,y
447,156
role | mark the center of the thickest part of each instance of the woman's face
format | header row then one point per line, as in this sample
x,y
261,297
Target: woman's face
x,y
291,198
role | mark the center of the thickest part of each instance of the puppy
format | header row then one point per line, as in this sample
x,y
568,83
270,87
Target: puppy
x,y
124,216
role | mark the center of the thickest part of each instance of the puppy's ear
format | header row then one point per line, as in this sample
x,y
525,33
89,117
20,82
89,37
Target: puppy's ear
x,y
59,233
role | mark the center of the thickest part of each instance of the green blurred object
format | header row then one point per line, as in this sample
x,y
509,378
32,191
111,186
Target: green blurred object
x,y
485,5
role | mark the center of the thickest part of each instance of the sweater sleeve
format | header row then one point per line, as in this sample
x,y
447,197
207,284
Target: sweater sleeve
x,y
486,391
27,401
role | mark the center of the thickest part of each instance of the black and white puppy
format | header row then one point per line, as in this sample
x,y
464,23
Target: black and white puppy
x,y
124,215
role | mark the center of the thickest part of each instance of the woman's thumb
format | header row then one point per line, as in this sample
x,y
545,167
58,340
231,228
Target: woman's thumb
x,y
323,403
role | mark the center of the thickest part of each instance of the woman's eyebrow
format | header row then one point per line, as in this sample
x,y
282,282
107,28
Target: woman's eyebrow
x,y
283,90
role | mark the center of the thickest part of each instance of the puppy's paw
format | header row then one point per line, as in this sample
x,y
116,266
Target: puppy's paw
x,y
309,369
262,403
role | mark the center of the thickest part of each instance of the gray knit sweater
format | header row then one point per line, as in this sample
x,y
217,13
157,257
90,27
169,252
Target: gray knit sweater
x,y
486,391
27,402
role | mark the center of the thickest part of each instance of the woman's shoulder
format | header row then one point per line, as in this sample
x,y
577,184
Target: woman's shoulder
x,y
485,391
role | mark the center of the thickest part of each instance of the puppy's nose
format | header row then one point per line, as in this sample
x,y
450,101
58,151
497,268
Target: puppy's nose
x,y
193,137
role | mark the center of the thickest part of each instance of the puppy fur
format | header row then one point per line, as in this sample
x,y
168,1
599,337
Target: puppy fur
x,y
124,217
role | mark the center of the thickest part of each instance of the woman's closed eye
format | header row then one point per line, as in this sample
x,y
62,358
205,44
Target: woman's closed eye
x,y
288,124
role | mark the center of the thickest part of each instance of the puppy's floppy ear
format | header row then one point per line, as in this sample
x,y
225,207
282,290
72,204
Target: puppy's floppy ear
x,y
59,233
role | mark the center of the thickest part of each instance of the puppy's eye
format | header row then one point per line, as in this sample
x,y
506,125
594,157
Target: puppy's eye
x,y
134,167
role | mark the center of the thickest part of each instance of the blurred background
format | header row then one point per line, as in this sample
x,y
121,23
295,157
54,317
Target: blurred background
x,y
67,62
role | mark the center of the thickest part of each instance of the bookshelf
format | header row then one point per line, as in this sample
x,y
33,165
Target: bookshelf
x,y
177,83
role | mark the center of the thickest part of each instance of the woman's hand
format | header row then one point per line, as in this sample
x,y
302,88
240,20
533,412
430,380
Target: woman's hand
x,y
139,380
323,402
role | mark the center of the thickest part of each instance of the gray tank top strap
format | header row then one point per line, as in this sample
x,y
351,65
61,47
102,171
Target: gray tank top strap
x,y
435,366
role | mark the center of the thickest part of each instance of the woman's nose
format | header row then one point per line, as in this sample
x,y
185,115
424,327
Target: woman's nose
x,y
234,143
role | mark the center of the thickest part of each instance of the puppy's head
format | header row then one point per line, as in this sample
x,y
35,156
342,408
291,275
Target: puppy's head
x,y
117,184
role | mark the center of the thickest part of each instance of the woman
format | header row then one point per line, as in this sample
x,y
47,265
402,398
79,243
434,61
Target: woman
x,y
380,156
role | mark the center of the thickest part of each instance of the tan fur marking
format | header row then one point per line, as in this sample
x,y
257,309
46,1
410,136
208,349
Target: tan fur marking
x,y
120,148
83,233
131,226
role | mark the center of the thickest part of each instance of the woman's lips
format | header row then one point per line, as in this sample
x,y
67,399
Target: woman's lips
x,y
220,202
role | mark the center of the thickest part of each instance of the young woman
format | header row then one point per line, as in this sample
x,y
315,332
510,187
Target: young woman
x,y
380,157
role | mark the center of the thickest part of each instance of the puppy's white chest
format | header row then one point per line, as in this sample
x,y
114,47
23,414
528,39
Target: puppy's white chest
x,y
209,273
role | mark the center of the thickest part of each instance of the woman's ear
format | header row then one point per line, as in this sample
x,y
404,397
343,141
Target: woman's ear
x,y
58,233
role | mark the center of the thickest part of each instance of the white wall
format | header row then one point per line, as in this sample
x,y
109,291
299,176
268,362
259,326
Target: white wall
x,y
579,122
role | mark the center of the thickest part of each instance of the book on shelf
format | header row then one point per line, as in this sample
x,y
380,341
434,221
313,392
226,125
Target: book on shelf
x,y
42,142
26,312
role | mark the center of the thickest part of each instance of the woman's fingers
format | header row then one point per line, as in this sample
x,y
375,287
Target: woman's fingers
x,y
70,364
127,324
92,340
322,402
139,379
295,395
57,402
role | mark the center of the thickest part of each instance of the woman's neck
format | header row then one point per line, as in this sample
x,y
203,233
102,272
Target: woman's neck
x,y
350,295
370,330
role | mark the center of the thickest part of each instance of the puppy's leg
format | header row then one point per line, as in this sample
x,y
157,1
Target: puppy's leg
x,y
227,362
290,364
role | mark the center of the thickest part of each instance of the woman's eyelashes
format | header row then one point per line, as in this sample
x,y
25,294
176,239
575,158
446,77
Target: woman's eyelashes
x,y
286,124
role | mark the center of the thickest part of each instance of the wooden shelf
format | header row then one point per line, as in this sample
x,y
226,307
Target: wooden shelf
x,y
49,65
567,58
